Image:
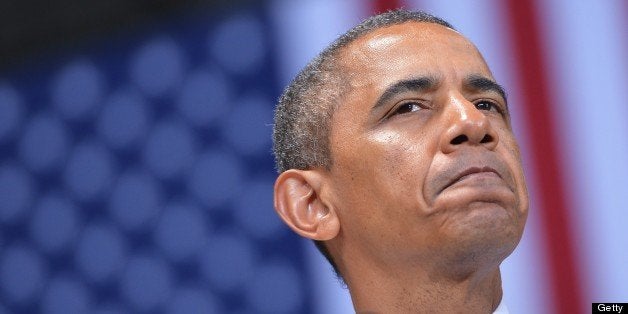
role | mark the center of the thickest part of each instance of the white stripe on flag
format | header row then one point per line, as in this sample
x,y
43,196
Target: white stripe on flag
x,y
305,27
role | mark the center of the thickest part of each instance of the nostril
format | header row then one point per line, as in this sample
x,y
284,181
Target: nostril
x,y
459,139
487,139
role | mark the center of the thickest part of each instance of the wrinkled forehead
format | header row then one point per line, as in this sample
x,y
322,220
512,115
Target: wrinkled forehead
x,y
394,48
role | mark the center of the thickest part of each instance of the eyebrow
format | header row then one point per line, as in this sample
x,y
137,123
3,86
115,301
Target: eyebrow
x,y
476,82
410,85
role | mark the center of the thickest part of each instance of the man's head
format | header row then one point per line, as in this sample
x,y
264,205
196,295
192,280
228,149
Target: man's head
x,y
395,148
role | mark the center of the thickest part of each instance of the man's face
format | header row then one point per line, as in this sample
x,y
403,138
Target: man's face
x,y
424,160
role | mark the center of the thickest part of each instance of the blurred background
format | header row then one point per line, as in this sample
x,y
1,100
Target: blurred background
x,y
135,154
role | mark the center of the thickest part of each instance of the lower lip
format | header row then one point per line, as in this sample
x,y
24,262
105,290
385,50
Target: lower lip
x,y
484,187
479,179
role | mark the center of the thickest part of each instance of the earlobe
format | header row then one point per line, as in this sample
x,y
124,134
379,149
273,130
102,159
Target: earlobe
x,y
298,202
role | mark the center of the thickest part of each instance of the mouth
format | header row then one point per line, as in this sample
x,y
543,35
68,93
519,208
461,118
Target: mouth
x,y
471,174
475,170
477,173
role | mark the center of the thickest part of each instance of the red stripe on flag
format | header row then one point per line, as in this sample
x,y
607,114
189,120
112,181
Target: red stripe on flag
x,y
553,199
380,6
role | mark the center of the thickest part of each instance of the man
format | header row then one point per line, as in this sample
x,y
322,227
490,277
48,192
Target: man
x,y
396,155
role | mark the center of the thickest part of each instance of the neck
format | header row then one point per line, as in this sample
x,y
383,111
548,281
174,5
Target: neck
x,y
385,291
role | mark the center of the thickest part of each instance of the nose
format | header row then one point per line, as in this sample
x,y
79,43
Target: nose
x,y
466,125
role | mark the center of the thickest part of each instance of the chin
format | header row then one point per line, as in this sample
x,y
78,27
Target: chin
x,y
484,233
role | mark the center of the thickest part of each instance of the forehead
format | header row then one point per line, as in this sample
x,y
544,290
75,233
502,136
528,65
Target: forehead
x,y
411,49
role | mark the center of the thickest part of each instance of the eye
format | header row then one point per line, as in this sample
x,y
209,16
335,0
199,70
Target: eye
x,y
407,108
487,105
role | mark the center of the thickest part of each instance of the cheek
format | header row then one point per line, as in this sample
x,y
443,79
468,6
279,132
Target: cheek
x,y
378,186
513,155
386,169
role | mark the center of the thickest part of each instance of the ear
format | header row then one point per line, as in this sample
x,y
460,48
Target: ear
x,y
299,204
